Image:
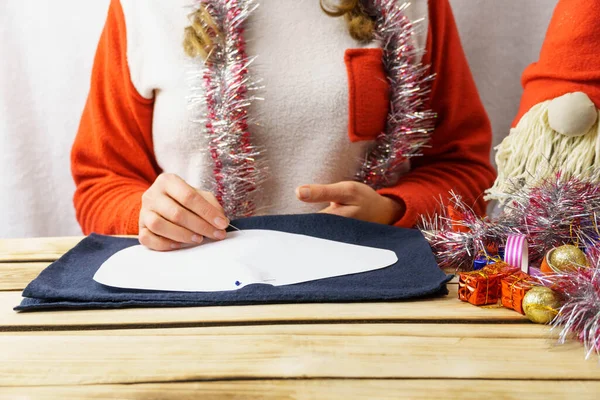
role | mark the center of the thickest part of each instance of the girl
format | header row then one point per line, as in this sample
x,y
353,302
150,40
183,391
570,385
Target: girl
x,y
173,140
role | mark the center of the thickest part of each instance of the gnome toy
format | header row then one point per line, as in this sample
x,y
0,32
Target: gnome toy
x,y
557,126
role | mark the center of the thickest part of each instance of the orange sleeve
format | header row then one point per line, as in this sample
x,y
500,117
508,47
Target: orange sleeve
x,y
459,156
112,158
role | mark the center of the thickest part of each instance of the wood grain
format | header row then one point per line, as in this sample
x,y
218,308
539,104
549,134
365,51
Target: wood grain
x,y
116,359
36,249
15,276
347,329
446,308
434,348
348,389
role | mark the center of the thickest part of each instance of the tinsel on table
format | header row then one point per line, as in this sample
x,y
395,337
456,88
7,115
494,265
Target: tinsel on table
x,y
580,315
459,235
554,211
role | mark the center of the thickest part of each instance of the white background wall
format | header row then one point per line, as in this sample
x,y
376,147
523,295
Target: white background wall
x,y
46,51
501,37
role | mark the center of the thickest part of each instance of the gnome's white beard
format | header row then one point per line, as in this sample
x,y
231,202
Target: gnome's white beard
x,y
533,150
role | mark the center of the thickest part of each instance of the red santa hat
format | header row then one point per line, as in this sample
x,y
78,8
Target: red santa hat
x,y
570,57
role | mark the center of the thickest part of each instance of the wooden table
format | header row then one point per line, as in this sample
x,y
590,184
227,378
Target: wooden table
x,y
438,348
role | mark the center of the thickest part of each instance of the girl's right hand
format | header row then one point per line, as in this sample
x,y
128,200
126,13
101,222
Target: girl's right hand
x,y
174,215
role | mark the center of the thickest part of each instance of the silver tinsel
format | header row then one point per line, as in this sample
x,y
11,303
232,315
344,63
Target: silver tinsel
x,y
227,94
409,124
229,90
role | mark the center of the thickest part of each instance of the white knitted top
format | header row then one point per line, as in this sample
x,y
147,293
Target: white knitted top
x,y
304,115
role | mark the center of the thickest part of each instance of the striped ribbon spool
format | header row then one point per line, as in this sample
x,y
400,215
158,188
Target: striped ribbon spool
x,y
517,252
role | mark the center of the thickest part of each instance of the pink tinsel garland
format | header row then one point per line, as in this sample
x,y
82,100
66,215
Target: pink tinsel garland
x,y
409,124
227,82
556,210
580,314
237,168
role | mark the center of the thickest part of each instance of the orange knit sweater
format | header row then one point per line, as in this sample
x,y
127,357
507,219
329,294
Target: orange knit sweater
x,y
113,161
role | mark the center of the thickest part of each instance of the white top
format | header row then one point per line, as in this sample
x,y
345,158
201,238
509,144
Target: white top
x,y
304,115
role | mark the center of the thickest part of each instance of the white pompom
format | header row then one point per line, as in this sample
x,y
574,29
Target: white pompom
x,y
572,114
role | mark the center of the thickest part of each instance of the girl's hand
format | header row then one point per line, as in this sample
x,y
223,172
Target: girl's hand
x,y
174,214
353,200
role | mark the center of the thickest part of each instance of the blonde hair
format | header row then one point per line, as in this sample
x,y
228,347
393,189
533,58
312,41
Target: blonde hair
x,y
360,24
198,40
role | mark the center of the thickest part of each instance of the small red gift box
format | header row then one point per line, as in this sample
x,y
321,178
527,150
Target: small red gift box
x,y
479,287
514,287
500,268
483,287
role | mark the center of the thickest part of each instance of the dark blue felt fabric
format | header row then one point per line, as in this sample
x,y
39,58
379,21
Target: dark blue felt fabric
x,y
68,283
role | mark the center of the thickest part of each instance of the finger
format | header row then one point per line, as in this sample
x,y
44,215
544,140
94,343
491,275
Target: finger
x,y
179,216
342,193
155,242
340,210
160,226
188,197
330,208
212,200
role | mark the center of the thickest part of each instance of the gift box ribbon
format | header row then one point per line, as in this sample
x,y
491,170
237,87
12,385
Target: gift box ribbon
x,y
517,252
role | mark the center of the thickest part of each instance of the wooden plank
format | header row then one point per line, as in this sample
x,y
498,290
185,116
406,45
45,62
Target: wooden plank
x,y
15,276
516,331
36,249
39,249
90,359
447,308
319,389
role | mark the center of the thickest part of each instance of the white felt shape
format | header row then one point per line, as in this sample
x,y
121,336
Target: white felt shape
x,y
244,258
572,114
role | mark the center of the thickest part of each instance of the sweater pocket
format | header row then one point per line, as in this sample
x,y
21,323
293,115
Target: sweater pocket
x,y
369,98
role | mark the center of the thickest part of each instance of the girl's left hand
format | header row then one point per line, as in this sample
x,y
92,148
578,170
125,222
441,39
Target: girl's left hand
x,y
353,200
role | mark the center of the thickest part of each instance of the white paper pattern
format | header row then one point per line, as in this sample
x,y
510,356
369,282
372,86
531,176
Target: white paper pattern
x,y
244,258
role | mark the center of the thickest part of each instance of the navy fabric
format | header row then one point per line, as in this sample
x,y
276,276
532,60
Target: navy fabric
x,y
68,283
